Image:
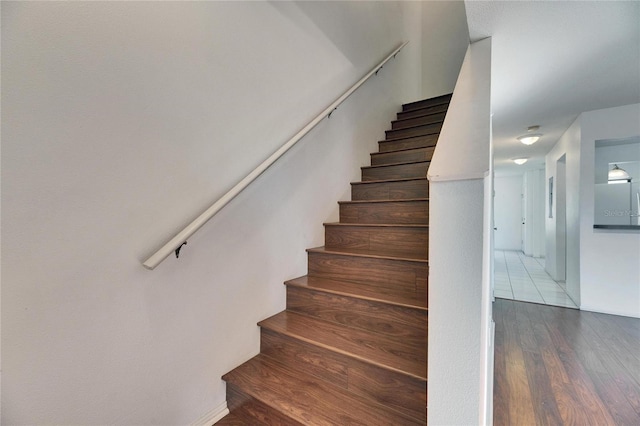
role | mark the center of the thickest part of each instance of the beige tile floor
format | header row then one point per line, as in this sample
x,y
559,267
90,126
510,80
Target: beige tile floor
x,y
520,277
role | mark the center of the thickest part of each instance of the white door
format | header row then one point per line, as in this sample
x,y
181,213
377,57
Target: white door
x,y
508,212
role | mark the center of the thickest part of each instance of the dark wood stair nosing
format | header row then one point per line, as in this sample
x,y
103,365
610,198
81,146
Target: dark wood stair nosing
x,y
379,225
403,120
426,114
426,110
294,283
415,127
404,163
322,386
435,132
426,105
436,100
401,200
323,250
395,151
333,348
367,182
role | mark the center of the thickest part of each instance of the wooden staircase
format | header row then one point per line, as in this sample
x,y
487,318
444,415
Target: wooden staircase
x,y
351,347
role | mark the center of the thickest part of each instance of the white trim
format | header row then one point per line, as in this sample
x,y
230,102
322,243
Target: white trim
x,y
457,177
212,416
598,310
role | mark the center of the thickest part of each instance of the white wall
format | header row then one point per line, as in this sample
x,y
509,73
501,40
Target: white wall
x,y
603,266
447,20
534,213
610,259
569,147
508,212
460,351
121,122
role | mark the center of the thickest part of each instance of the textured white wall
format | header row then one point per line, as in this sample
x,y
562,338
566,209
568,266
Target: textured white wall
x,y
121,122
610,259
603,266
445,38
508,212
534,213
569,146
455,301
460,352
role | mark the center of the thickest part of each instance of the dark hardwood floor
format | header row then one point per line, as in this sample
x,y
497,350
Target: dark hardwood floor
x,y
558,366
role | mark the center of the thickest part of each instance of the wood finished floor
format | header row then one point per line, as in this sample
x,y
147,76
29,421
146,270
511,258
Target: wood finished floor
x,y
558,366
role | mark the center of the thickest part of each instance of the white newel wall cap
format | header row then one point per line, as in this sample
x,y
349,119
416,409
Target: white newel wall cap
x,y
462,151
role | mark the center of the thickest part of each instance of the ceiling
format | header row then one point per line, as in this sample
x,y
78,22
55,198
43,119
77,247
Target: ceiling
x,y
553,60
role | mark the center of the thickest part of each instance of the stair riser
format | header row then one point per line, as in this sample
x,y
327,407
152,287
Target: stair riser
x,y
390,190
444,99
383,240
388,276
414,131
409,143
421,154
393,212
422,111
393,389
253,411
417,121
401,171
362,314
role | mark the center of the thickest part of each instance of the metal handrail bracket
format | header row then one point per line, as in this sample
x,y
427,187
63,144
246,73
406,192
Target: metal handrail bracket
x,y
175,243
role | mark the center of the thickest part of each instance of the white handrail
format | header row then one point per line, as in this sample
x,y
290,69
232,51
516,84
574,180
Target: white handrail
x,y
176,242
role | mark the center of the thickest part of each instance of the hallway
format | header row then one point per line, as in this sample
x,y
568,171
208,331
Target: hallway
x,y
523,278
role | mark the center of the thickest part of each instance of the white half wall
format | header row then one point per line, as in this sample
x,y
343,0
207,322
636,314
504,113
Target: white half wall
x,y
508,212
121,121
460,261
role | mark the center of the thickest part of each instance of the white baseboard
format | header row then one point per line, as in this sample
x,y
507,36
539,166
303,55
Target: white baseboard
x,y
212,416
608,311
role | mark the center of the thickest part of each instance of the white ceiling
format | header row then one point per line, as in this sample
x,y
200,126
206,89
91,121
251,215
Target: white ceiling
x,y
553,60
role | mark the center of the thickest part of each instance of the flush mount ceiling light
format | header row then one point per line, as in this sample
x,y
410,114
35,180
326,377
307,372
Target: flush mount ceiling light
x,y
530,138
520,161
618,175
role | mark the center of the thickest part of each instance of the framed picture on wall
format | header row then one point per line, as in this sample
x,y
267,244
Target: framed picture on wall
x,y
551,197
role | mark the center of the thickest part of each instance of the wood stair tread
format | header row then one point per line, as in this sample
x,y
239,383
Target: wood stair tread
x,y
405,163
368,182
417,126
400,138
378,225
395,151
425,114
429,118
394,354
411,138
356,290
438,100
308,400
402,200
368,253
